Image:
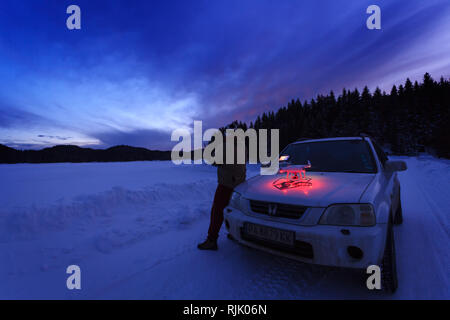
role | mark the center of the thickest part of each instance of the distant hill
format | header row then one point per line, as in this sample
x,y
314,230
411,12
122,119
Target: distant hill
x,y
70,153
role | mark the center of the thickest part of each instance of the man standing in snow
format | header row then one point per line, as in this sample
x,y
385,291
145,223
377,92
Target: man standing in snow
x,y
228,176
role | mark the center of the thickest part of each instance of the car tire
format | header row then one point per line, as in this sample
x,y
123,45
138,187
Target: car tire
x,y
398,218
389,280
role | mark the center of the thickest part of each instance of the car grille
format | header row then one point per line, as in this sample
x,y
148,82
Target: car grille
x,y
277,209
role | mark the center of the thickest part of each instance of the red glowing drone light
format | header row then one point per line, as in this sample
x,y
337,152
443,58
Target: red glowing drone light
x,y
295,177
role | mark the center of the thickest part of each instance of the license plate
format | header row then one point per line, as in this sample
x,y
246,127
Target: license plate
x,y
270,234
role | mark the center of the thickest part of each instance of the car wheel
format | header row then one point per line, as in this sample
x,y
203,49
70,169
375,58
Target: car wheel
x,y
389,280
398,218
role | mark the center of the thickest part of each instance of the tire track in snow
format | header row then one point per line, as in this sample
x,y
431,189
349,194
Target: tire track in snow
x,y
422,241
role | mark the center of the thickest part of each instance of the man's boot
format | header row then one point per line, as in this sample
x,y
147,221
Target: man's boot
x,y
208,245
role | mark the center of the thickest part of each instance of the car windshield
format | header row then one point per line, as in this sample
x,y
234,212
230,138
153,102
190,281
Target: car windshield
x,y
332,156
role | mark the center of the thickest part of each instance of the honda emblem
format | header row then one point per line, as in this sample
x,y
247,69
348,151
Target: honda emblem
x,y
272,209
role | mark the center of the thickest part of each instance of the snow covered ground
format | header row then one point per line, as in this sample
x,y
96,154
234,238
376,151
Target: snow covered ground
x,y
133,229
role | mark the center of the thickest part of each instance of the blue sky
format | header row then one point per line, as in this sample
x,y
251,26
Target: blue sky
x,y
139,69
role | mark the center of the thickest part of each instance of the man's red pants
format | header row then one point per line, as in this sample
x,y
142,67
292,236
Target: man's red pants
x,y
221,200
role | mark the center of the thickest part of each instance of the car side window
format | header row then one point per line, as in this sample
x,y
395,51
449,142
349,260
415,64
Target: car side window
x,y
380,153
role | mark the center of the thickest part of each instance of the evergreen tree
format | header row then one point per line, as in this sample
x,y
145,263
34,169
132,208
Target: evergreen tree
x,y
408,119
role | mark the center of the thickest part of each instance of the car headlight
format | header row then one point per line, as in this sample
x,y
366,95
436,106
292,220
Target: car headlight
x,y
349,215
238,202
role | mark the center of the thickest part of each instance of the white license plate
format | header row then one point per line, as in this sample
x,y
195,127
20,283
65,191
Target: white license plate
x,y
269,234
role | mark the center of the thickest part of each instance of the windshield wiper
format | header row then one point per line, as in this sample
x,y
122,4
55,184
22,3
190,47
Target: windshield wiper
x,y
328,170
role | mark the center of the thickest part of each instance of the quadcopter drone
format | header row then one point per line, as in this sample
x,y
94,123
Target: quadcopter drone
x,y
295,175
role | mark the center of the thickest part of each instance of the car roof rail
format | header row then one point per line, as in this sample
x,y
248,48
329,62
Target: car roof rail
x,y
303,139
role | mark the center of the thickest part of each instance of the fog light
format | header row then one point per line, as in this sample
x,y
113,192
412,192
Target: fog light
x,y
355,252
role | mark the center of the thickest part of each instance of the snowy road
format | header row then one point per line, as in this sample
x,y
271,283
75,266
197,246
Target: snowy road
x,y
133,229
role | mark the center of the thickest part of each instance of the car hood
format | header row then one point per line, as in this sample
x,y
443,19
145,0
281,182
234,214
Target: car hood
x,y
326,188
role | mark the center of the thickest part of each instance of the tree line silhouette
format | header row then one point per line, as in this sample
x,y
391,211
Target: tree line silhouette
x,y
70,153
411,118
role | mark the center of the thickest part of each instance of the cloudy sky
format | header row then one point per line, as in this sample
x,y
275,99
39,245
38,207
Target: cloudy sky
x,y
139,69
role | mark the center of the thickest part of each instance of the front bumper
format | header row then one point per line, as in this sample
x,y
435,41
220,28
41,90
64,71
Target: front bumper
x,y
317,244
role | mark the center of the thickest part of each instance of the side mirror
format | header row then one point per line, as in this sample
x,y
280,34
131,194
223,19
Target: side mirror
x,y
392,166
